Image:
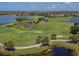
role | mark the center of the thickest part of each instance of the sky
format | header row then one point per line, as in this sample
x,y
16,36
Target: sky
x,y
39,6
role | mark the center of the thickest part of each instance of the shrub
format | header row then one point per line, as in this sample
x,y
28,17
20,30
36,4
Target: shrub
x,y
53,36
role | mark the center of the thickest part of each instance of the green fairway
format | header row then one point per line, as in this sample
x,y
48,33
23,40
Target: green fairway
x,y
38,51
27,37
20,39
56,25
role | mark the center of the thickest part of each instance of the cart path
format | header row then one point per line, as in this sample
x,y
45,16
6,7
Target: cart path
x,y
37,45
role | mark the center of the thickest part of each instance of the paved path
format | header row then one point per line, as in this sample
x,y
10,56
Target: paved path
x,y
37,45
1,44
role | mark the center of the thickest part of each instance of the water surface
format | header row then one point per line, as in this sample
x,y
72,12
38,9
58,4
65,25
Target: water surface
x,y
4,19
74,20
61,51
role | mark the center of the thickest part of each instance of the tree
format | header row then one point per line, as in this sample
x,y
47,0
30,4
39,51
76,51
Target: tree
x,y
75,38
45,41
46,19
20,19
38,39
53,36
41,18
74,29
9,46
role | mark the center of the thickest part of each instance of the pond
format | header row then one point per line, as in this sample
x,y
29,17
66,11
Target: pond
x,y
74,20
30,25
61,51
4,19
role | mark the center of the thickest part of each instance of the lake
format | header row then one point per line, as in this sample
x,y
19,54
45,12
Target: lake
x,y
4,19
61,51
74,20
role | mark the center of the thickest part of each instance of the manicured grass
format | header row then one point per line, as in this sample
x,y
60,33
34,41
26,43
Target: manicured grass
x,y
45,50
21,37
71,46
30,51
19,52
56,25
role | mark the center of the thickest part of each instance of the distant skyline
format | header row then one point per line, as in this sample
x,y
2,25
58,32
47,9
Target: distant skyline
x,y
39,6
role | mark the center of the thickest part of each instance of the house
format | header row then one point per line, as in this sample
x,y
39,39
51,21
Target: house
x,y
59,15
75,14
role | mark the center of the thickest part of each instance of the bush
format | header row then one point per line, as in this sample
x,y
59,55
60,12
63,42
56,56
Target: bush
x,y
74,29
9,46
75,38
45,41
38,39
53,36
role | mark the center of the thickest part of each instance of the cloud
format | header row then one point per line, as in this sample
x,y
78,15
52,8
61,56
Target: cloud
x,y
52,7
57,6
67,3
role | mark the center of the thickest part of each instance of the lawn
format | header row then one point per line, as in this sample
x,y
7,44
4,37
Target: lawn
x,y
38,51
58,25
74,47
24,36
27,36
19,38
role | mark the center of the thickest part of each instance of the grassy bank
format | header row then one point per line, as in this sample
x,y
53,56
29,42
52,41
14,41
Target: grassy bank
x,y
45,51
74,48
